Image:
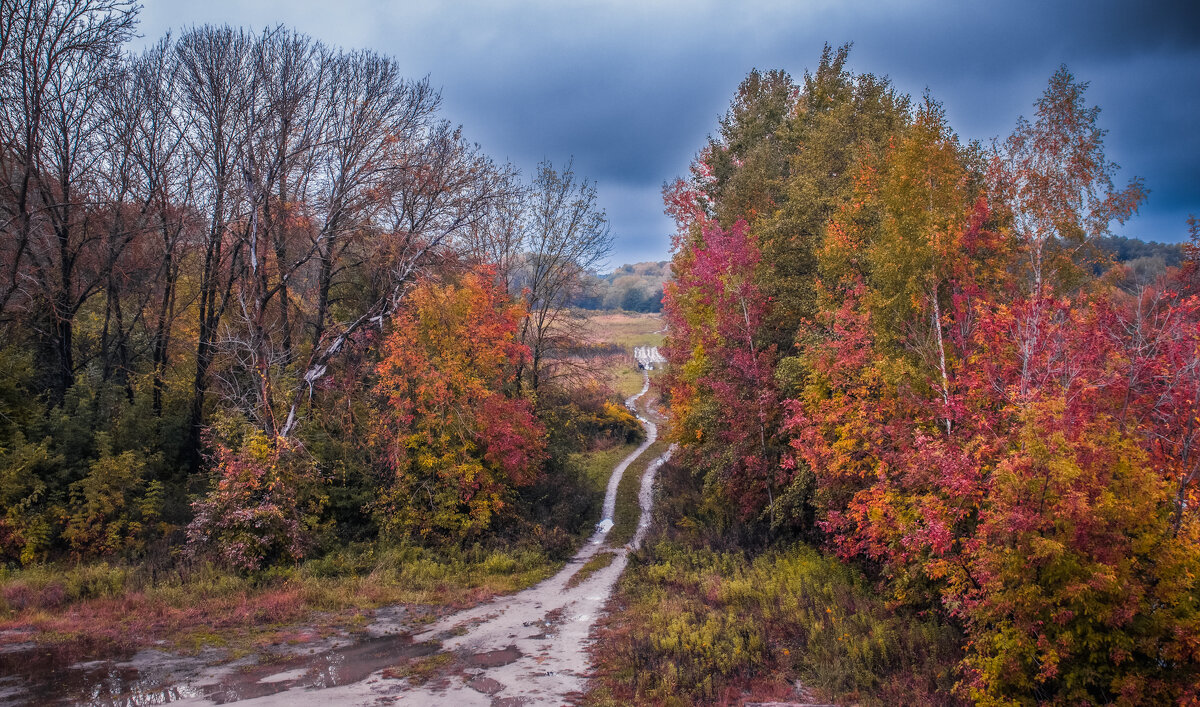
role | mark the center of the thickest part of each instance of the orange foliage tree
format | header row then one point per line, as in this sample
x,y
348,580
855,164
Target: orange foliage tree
x,y
454,440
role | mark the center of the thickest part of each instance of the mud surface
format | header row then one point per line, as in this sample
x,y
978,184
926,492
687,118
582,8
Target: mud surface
x,y
55,676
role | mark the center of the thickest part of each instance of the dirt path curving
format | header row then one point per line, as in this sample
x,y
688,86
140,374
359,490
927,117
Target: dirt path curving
x,y
529,648
540,635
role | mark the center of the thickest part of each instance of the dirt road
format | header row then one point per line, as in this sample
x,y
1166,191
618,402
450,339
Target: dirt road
x,y
529,648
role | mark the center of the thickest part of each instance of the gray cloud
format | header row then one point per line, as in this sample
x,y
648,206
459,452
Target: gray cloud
x,y
631,88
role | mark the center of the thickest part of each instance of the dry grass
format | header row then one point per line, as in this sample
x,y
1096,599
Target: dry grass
x,y
209,606
627,330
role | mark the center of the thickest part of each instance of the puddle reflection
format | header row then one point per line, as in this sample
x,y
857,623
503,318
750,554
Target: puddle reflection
x,y
56,676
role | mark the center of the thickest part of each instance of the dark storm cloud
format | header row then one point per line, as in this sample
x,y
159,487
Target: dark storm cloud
x,y
631,89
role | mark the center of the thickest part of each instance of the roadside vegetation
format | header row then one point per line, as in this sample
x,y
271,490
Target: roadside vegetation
x,y
111,606
699,618
255,370
919,356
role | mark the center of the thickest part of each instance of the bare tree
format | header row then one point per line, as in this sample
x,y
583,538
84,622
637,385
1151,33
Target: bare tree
x,y
499,237
165,166
215,78
566,235
57,57
280,195
437,191
373,113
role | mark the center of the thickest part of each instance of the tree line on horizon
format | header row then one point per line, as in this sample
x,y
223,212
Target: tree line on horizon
x,y
635,287
257,295
916,353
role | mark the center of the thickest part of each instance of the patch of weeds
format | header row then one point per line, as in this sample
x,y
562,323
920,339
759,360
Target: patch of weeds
x,y
597,562
699,624
421,670
628,511
698,620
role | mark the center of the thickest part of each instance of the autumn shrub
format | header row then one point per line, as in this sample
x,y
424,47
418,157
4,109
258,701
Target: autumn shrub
x,y
1077,590
454,444
94,475
30,518
595,417
115,508
264,506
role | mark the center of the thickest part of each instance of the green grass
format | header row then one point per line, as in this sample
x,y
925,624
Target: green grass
x,y
628,511
420,670
597,466
591,567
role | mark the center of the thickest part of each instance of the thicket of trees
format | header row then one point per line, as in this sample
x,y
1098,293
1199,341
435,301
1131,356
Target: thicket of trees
x,y
255,287
634,288
898,345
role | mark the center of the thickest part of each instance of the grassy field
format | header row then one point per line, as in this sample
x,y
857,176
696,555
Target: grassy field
x,y
702,626
627,329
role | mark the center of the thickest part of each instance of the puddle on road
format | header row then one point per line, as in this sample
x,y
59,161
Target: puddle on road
x,y
494,659
56,676
70,675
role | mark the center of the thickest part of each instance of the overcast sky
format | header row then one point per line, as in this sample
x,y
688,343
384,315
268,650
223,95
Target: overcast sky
x,y
631,88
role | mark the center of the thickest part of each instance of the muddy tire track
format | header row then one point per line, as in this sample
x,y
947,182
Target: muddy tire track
x,y
543,630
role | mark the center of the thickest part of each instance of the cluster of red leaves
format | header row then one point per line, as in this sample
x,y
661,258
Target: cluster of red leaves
x,y
1056,517
724,398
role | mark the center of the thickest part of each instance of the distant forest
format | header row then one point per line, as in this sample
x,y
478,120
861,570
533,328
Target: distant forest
x,y
633,288
1126,250
639,287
